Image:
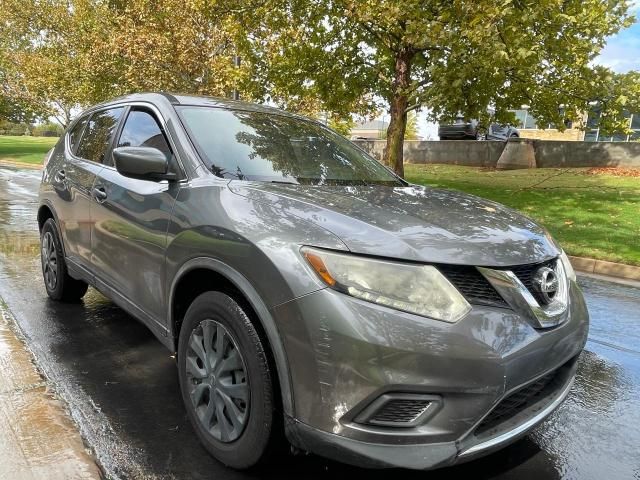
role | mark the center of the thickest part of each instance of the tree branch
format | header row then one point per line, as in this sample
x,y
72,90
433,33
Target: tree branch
x,y
410,108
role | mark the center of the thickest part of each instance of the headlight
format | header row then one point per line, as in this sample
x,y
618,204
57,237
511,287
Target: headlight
x,y
568,268
419,289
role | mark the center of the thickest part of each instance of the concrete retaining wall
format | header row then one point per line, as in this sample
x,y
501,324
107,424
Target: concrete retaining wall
x,y
454,152
587,154
520,153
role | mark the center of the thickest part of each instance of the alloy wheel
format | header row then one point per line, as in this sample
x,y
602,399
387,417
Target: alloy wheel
x,y
49,261
217,380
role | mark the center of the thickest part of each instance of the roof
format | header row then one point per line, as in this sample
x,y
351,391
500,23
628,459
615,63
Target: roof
x,y
200,100
372,125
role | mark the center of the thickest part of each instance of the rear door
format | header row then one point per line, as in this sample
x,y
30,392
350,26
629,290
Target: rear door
x,y
131,221
84,156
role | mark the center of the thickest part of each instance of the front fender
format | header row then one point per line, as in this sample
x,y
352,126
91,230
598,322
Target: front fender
x,y
264,316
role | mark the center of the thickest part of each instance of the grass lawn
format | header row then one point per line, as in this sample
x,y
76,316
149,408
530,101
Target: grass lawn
x,y
595,216
25,149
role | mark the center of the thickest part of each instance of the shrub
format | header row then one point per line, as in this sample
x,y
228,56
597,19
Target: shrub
x,y
49,129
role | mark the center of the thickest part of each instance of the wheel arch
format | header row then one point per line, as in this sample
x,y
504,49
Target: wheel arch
x,y
45,212
227,278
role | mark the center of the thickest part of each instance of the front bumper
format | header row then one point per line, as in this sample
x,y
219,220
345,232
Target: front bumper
x,y
424,456
344,353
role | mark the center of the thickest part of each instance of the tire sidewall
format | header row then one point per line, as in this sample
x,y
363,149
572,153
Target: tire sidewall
x,y
250,447
51,227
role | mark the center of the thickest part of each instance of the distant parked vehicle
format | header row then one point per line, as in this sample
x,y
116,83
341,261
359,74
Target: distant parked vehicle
x,y
469,130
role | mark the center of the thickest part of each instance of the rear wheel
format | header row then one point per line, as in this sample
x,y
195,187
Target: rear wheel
x,y
226,381
57,281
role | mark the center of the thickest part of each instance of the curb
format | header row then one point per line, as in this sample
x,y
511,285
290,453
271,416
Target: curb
x,y
600,267
39,438
30,166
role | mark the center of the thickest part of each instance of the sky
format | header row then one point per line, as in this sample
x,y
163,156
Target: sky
x,y
621,54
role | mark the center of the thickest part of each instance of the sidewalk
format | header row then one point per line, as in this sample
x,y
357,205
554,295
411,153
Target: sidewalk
x,y
37,438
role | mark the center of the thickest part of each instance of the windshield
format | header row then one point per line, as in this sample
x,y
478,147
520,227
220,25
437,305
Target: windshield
x,y
260,146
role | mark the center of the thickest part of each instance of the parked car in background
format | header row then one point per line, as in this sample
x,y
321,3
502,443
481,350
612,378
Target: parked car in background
x,y
470,130
305,290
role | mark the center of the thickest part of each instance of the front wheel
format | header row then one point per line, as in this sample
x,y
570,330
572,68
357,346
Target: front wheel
x,y
57,281
226,381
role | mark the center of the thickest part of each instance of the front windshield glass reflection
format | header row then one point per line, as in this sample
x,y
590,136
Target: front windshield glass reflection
x,y
247,145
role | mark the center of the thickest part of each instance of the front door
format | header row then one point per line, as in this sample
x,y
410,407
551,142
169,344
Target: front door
x,y
131,217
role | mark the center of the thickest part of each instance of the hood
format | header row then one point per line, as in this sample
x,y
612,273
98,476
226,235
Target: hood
x,y
413,223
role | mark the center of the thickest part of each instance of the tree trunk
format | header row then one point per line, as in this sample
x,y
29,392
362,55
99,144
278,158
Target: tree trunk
x,y
399,101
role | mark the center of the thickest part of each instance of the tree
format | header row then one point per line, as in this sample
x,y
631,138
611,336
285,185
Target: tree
x,y
411,131
618,95
70,53
452,56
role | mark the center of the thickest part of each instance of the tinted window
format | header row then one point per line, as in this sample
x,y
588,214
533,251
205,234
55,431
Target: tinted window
x,y
142,130
95,141
271,147
76,133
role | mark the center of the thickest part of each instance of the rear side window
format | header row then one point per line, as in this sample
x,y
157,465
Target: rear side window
x,y
97,136
76,133
142,130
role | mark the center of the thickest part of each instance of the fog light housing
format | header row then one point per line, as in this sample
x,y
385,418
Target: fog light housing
x,y
403,410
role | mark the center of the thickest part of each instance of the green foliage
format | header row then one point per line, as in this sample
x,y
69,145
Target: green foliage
x,y
590,215
617,96
411,132
64,54
14,128
342,125
49,129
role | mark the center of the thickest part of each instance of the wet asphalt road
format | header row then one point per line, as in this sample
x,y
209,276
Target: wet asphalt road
x,y
121,384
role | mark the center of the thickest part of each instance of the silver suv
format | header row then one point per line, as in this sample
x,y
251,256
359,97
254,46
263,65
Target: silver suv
x,y
308,292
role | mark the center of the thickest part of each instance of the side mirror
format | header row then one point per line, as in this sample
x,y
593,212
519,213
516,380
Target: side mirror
x,y
146,163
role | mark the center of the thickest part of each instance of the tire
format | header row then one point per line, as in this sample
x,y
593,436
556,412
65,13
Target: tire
x,y
59,284
249,442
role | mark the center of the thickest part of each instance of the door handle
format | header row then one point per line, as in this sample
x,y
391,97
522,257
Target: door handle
x,y
60,176
100,194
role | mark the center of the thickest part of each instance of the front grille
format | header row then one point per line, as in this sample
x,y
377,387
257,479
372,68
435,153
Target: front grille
x,y
525,274
472,284
399,411
516,402
477,289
